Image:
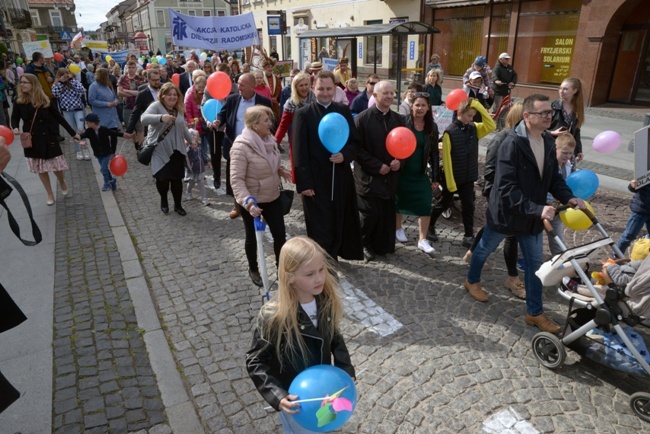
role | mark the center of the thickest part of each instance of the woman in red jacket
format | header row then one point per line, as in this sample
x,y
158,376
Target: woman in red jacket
x,y
193,115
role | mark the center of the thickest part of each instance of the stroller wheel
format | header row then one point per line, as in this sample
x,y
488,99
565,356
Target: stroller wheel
x,y
549,350
447,213
640,403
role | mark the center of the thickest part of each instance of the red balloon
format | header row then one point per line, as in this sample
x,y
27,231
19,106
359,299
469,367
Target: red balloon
x,y
118,165
7,134
148,66
454,98
219,85
401,143
58,57
176,79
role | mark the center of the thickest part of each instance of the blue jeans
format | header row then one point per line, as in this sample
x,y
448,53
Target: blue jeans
x,y
531,247
76,120
205,148
632,229
103,162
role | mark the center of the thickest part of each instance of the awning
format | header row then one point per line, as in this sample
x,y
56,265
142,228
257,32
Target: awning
x,y
457,3
393,29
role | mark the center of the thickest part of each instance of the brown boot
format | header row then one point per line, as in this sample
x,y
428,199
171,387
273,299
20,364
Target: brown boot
x,y
234,213
544,324
476,292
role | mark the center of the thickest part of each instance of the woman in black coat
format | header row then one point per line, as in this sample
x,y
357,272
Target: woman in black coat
x,y
42,119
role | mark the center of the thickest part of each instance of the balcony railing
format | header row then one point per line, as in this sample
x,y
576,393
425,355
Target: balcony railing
x,y
20,18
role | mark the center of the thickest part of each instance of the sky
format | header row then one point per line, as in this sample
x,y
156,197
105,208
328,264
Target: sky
x,y
90,14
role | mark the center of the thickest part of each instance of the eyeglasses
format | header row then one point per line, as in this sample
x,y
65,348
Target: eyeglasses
x,y
373,82
544,114
421,94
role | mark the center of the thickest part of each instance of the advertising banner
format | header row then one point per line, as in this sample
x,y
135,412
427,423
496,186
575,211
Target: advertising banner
x,y
42,47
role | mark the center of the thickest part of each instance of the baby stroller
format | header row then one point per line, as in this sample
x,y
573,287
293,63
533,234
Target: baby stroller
x,y
599,329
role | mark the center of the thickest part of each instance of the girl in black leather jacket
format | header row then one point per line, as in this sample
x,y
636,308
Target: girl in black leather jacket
x,y
299,328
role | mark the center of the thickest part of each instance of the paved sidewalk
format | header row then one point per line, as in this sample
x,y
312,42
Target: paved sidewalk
x,y
139,321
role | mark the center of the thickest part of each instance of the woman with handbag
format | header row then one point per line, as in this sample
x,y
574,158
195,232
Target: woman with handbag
x,y
103,101
166,131
40,133
255,170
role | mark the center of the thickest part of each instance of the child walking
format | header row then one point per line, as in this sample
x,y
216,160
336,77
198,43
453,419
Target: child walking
x,y
298,328
639,217
565,146
100,140
197,161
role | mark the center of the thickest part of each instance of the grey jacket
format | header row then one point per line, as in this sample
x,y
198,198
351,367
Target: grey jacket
x,y
172,142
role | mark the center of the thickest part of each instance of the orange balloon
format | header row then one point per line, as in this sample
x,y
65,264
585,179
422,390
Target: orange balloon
x,y
7,134
176,79
454,98
118,165
401,143
58,57
148,66
219,85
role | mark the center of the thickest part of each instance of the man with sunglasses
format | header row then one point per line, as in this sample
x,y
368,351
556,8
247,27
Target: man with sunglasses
x,y
526,170
360,103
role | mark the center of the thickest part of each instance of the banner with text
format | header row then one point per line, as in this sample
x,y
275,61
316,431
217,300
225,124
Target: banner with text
x,y
117,56
213,33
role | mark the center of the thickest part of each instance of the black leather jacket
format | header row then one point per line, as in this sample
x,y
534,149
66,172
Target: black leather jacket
x,y
271,369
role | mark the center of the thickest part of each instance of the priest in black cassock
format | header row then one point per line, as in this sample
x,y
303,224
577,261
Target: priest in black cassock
x,y
376,172
332,223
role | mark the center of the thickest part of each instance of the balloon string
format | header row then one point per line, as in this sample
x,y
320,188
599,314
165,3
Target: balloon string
x,y
333,167
121,147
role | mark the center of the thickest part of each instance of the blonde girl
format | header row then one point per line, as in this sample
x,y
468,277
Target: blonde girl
x,y
298,328
432,87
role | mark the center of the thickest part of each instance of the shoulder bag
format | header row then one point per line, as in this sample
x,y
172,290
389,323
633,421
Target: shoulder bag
x,y
286,199
145,152
26,138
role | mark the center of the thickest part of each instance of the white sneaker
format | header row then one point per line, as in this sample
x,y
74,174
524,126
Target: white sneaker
x,y
188,196
205,202
426,247
80,156
400,235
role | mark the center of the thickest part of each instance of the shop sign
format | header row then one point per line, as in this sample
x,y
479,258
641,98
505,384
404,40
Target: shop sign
x,y
557,56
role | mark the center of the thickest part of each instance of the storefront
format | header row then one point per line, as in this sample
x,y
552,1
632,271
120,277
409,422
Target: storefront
x,y
605,43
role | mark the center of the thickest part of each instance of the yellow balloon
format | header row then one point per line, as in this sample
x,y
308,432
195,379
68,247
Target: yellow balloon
x,y
575,219
74,69
109,58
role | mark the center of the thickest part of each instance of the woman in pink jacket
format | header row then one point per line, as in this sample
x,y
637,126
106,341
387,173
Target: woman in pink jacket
x,y
255,170
193,115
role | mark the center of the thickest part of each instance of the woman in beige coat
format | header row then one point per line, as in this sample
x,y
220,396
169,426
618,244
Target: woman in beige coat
x,y
255,171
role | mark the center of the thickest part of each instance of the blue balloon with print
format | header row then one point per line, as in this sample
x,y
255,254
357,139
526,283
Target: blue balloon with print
x,y
333,131
329,396
583,183
211,108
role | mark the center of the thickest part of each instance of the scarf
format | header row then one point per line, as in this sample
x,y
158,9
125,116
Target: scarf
x,y
266,147
291,106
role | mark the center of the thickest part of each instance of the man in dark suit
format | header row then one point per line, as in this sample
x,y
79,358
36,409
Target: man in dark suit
x,y
232,114
185,80
145,98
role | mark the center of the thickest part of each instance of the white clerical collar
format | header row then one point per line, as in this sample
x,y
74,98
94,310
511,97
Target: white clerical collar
x,y
321,104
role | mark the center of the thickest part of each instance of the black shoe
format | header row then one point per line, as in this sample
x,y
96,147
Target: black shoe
x,y
217,185
368,254
179,210
164,209
467,242
432,235
255,277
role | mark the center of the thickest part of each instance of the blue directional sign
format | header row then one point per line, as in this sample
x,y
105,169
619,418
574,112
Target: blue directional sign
x,y
412,50
65,36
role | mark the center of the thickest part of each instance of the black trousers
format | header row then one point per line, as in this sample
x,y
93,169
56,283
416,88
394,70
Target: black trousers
x,y
377,223
215,139
510,252
466,194
272,213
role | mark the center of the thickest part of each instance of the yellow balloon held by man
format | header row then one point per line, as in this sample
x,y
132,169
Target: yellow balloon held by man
x,y
576,219
74,69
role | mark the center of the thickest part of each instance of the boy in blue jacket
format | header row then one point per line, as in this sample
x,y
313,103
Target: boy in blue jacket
x,y
639,217
100,141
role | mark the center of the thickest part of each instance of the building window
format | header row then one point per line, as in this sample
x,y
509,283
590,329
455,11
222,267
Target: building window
x,y
206,14
221,13
36,19
460,40
160,17
545,40
55,18
499,31
372,49
191,13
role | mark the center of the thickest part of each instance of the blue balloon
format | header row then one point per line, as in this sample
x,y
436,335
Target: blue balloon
x,y
333,131
162,61
583,183
211,108
322,381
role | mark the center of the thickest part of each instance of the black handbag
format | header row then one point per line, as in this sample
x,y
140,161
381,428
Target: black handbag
x,y
286,199
145,152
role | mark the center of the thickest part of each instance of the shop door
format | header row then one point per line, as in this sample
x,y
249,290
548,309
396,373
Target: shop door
x,y
643,89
